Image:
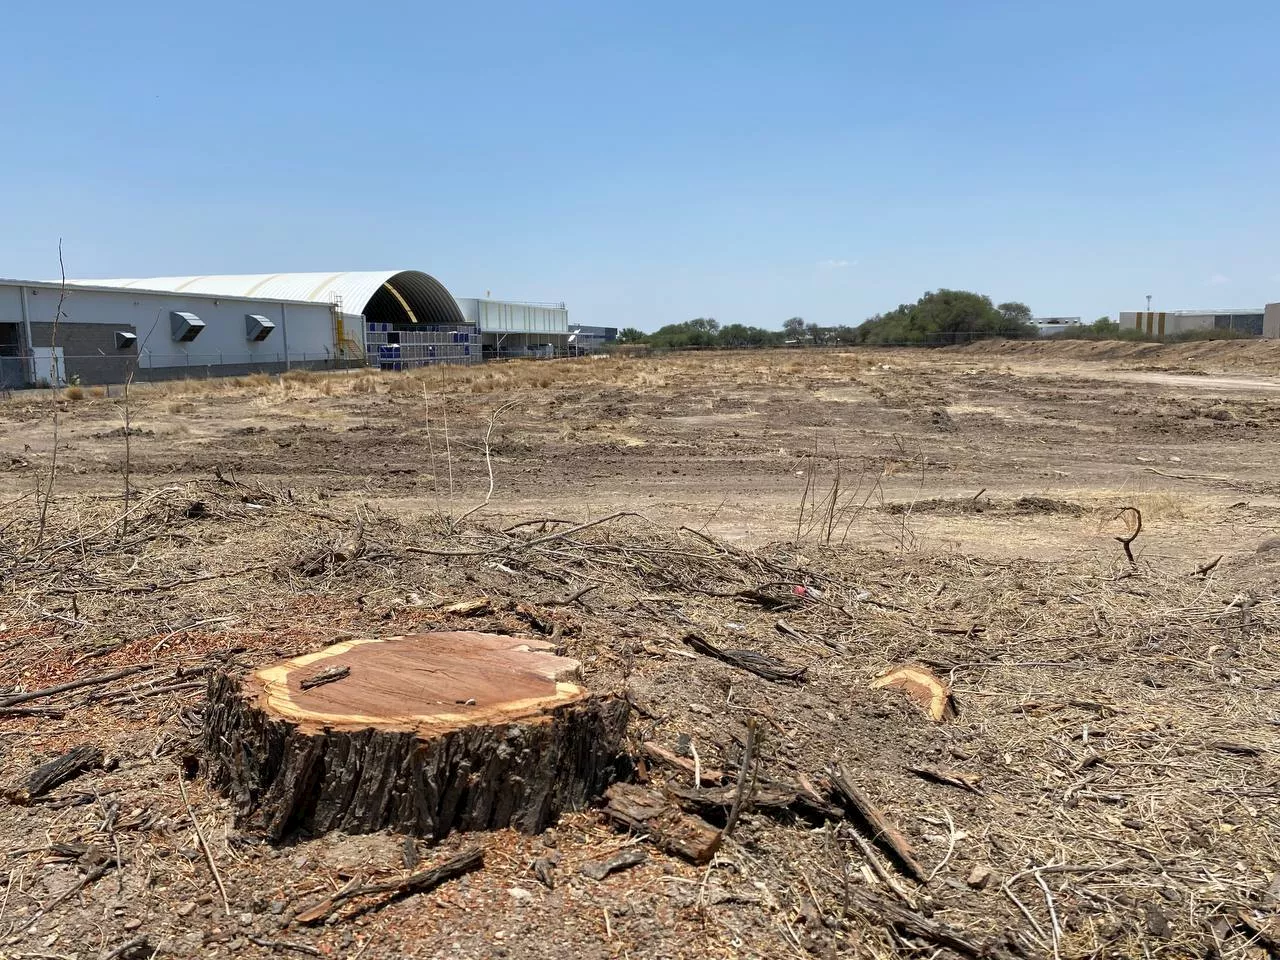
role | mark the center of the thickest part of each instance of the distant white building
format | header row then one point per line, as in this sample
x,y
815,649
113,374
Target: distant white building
x,y
1052,326
1165,323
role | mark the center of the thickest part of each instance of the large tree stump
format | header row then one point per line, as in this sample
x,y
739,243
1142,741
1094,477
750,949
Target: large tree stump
x,y
424,734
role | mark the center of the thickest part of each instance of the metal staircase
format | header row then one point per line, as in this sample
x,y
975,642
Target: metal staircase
x,y
344,346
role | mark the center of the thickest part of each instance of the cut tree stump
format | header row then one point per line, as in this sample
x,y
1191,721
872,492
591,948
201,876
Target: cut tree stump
x,y
423,734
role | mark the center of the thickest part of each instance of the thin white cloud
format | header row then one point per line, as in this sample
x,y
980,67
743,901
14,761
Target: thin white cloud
x,y
1219,280
835,264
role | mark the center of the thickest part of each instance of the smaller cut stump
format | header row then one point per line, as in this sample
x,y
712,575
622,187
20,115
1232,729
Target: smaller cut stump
x,y
423,734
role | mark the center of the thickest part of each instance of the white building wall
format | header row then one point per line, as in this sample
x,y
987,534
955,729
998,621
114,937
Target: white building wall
x,y
1271,320
501,316
304,330
11,305
1164,323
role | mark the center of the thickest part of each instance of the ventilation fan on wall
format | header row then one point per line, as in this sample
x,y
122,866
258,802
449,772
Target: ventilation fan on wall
x,y
185,326
257,328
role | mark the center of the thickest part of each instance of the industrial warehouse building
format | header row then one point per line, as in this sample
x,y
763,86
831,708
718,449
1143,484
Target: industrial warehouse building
x,y
164,327
1250,322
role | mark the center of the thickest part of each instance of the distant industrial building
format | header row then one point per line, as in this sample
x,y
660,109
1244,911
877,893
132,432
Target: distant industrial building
x,y
160,327
1052,326
1170,322
592,339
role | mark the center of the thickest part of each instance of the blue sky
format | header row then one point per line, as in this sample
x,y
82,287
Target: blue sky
x,y
649,163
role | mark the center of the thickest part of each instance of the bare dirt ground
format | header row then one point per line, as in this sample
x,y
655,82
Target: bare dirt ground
x,y
1112,764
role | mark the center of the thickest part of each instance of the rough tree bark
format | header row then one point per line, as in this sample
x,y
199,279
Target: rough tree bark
x,y
423,734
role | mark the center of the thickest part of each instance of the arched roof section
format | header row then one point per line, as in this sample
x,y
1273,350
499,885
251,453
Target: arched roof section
x,y
392,296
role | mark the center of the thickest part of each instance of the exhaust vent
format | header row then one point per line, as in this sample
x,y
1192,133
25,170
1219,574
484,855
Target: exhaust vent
x,y
185,326
257,328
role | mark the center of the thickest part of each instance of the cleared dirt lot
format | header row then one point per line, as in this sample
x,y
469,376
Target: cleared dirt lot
x,y
730,442
960,508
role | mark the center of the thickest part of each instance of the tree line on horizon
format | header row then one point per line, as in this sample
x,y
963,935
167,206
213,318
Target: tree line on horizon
x,y
938,318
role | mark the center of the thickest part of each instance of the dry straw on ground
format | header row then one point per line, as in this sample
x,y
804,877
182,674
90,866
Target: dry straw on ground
x,y
1108,787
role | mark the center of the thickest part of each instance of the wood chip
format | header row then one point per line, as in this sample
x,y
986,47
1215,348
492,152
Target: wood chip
x,y
624,859
924,687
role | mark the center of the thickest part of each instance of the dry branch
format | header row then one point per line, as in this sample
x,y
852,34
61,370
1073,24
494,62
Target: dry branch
x,y
749,660
882,828
1127,541
454,867
75,685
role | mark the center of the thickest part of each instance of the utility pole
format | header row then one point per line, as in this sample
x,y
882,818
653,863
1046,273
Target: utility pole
x,y
1148,303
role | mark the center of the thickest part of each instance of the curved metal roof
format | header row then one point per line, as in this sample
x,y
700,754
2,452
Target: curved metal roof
x,y
422,296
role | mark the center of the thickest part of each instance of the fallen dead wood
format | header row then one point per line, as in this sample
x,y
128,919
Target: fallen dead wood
x,y
517,544
749,660
910,923
709,776
573,597
94,874
469,608
132,693
649,812
876,862
788,630
1207,568
285,945
327,675
16,699
1213,478
49,713
204,845
457,866
56,772
950,778
769,796
882,828
746,784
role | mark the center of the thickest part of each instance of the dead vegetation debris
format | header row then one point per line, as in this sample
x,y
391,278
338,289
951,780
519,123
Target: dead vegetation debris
x,y
1108,789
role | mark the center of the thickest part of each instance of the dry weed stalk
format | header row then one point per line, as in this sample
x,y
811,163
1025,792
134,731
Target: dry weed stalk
x,y
490,423
55,390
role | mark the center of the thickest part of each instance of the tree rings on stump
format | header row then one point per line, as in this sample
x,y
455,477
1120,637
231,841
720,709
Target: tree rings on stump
x,y
423,734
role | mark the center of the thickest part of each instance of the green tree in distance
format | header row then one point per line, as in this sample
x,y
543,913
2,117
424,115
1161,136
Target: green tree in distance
x,y
1015,312
943,317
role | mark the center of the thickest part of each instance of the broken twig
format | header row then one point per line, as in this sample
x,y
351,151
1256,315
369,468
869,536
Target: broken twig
x,y
452,868
882,828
